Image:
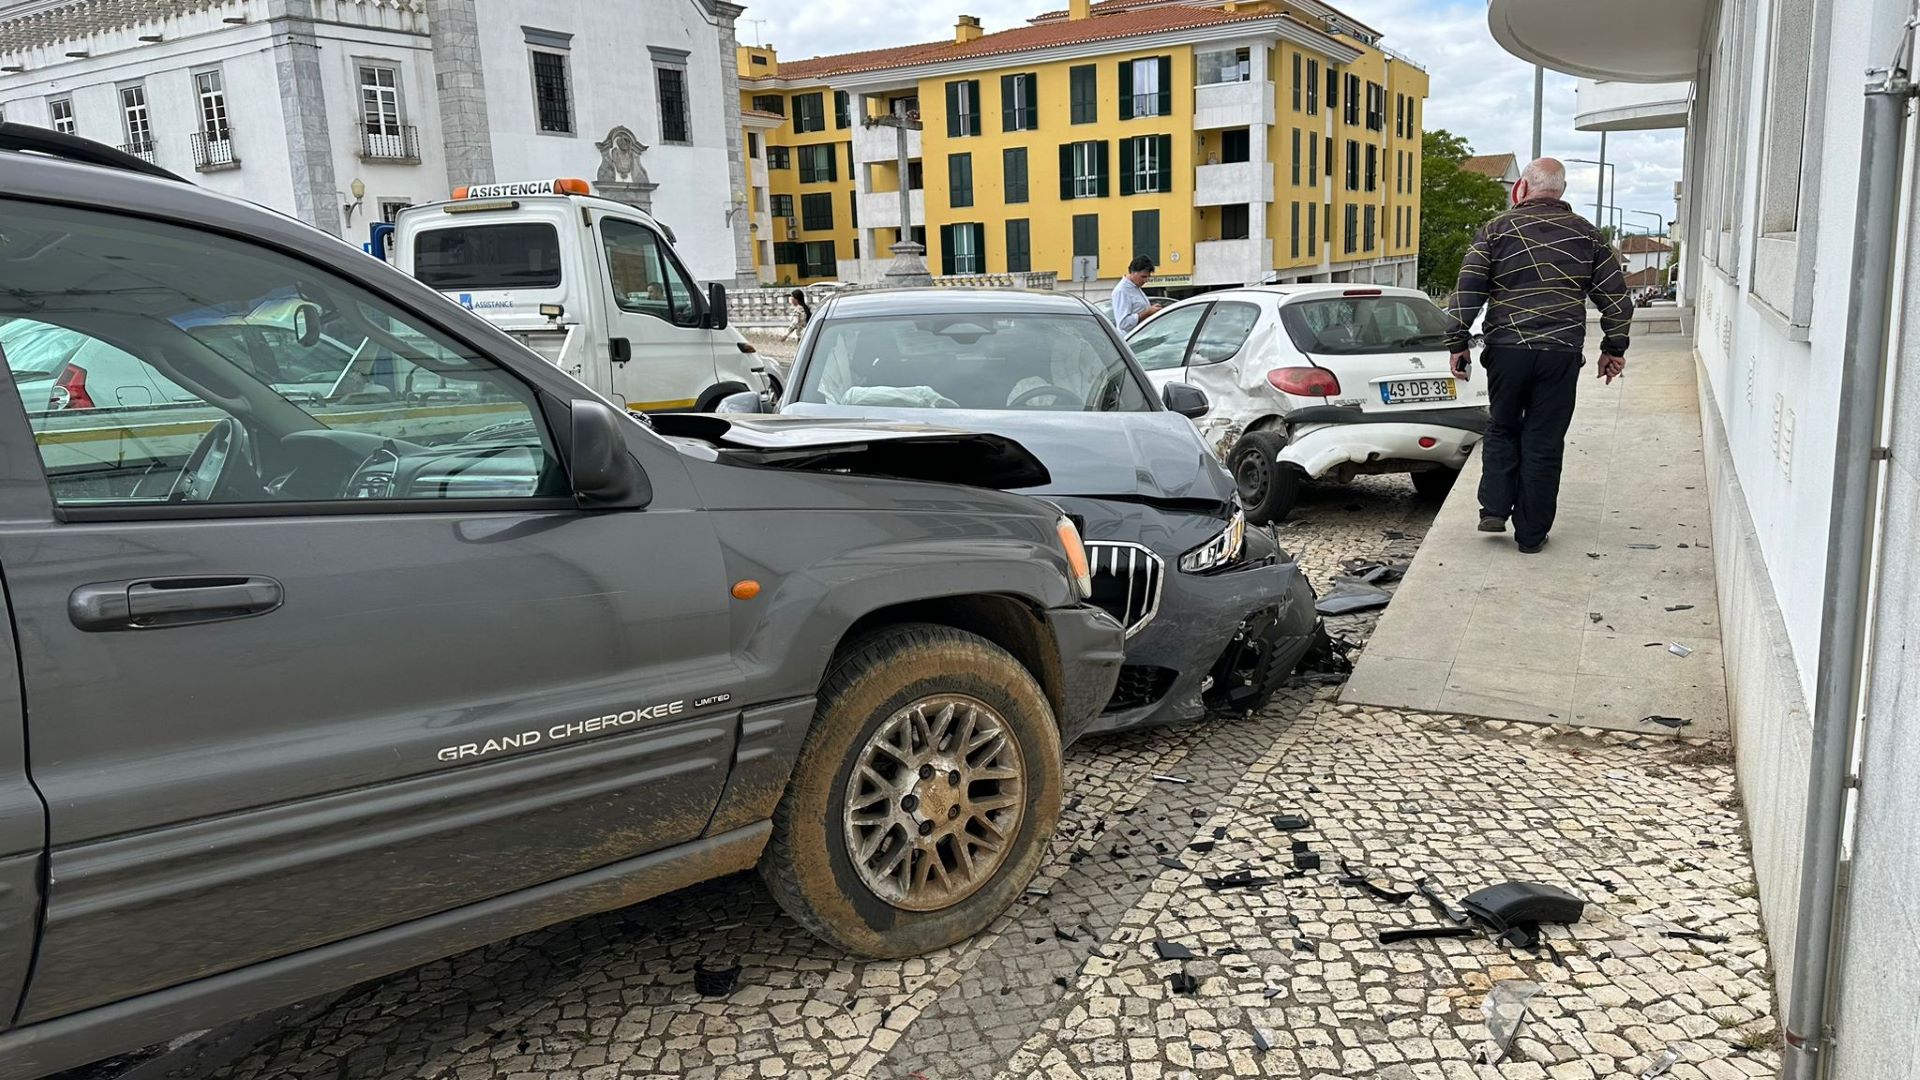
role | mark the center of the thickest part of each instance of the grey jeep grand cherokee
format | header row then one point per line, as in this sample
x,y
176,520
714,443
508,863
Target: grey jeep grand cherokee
x,y
300,693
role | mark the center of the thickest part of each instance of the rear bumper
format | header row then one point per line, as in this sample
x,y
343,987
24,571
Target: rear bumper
x,y
1092,647
1327,437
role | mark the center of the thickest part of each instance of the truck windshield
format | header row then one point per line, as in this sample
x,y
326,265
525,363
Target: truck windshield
x,y
506,255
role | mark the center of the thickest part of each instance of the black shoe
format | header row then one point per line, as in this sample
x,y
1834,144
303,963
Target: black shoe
x,y
1489,523
1532,549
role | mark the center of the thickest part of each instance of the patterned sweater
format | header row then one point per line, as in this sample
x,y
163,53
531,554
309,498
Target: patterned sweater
x,y
1534,267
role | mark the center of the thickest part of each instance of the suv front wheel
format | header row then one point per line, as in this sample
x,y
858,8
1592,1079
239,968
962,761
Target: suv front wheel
x,y
923,798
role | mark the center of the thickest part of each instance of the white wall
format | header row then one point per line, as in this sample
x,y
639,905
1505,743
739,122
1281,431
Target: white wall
x,y
612,77
341,49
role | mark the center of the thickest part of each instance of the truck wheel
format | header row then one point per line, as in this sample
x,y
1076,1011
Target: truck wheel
x,y
1434,483
923,798
1268,489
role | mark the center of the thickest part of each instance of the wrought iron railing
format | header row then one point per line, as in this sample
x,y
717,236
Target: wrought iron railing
x,y
389,142
213,150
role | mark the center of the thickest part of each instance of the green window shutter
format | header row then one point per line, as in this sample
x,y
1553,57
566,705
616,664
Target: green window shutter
x,y
1127,157
1032,118
1166,87
1146,234
833,163
1100,168
973,107
1009,112
1013,169
979,231
946,250
1066,170
1085,88
1166,162
1126,90
953,110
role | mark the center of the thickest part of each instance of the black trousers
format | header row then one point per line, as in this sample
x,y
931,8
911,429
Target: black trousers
x,y
1532,392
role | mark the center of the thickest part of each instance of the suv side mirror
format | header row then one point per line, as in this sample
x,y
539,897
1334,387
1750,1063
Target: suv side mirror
x,y
717,306
605,474
746,401
1186,399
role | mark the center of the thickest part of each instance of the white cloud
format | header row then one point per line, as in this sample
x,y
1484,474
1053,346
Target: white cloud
x,y
1478,90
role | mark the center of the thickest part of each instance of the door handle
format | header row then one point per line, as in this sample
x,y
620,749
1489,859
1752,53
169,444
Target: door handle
x,y
154,603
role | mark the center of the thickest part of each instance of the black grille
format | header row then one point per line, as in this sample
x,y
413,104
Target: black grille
x,y
1140,685
1126,582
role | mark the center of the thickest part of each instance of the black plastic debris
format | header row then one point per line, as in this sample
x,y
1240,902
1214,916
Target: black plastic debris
x,y
1262,1039
1076,856
1166,779
1327,662
1372,571
1679,607
1238,879
1611,887
1394,534
1354,879
1644,547
1304,858
1594,616
1696,935
1201,846
1289,822
1065,935
1301,944
1173,862
1422,933
1516,903
1595,555
1061,982
1171,950
1184,984
1438,903
714,982
1347,597
1674,722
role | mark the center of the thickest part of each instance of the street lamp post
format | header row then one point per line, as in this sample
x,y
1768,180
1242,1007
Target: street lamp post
x,y
1648,213
1599,203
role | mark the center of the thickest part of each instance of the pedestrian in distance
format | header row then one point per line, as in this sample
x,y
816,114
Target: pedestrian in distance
x,y
1130,304
802,313
1534,268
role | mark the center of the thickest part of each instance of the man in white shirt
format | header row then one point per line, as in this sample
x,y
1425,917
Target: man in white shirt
x,y
1130,304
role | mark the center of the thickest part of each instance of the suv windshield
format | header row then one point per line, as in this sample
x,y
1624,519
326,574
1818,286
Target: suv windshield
x,y
507,255
977,360
1351,325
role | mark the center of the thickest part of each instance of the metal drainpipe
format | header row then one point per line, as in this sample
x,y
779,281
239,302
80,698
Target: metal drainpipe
x,y
1844,612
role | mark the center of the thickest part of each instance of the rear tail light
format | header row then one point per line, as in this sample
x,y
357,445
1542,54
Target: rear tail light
x,y
70,389
1304,381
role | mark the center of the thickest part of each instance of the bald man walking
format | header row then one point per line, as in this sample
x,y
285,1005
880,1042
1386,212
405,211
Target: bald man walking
x,y
1534,268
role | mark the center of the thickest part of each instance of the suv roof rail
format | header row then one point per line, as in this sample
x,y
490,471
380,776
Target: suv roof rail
x,y
39,140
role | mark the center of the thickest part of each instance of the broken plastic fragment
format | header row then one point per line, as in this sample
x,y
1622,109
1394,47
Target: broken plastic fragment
x,y
1504,1009
1678,649
1347,597
1663,1061
1421,933
1238,879
1695,935
714,982
1644,547
1165,779
1438,904
1356,880
1183,983
1171,950
1289,822
1262,1039
1680,607
1201,846
1172,862
1666,721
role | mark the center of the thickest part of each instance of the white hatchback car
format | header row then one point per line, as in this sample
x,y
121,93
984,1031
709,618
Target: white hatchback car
x,y
1318,381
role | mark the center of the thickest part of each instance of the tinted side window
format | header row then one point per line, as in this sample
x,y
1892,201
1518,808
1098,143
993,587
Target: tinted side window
x,y
163,365
1161,343
1225,331
645,278
509,255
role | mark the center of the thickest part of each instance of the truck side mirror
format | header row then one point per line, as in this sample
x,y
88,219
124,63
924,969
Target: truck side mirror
x,y
604,472
1186,399
717,306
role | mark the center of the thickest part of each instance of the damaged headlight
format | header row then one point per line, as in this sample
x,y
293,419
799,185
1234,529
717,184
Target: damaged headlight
x,y
1220,551
1078,571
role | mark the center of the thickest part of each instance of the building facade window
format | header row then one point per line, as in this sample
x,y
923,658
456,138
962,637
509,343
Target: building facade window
x,y
1013,171
1146,234
380,102
1351,239
1084,84
819,164
818,258
552,92
1019,246
671,82
1086,235
959,180
809,113
60,113
1353,165
783,206
841,103
1146,164
1313,233
1146,87
770,103
1313,88
1019,102
213,143
779,157
816,212
1373,166
1299,75
1333,87
1225,66
1293,230
1083,170
1352,103
136,124
1296,157
1372,215
1376,107
963,248
963,108
1236,222
1236,145
1313,159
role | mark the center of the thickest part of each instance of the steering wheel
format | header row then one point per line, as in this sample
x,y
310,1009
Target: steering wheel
x,y
1047,390
224,445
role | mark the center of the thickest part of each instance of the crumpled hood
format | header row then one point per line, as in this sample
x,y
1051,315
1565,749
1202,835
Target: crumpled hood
x,y
1151,456
913,450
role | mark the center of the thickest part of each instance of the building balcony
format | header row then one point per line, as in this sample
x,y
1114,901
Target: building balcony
x,y
1646,41
1620,106
1233,105
213,150
143,149
1234,184
1231,262
396,143
881,209
875,145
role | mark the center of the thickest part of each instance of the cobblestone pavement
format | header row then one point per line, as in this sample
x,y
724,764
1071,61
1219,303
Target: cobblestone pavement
x,y
1288,980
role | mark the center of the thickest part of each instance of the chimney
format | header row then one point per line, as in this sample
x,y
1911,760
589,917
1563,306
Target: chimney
x,y
1079,9
966,28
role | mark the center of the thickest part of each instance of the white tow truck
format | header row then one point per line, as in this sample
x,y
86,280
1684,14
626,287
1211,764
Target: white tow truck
x,y
592,285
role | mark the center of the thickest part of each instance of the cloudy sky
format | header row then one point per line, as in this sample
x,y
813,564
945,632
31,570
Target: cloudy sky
x,y
1477,89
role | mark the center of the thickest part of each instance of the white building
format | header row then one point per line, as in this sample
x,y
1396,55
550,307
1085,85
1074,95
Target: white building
x,y
344,111
1785,276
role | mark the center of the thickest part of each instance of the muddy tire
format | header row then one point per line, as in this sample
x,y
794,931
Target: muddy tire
x,y
1433,484
923,797
1267,488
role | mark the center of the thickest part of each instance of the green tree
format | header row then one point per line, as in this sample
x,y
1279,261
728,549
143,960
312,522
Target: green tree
x,y
1453,205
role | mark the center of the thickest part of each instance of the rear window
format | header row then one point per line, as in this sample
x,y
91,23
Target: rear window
x,y
507,255
1351,325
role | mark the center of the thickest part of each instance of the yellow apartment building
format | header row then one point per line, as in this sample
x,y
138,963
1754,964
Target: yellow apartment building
x,y
797,136
1234,142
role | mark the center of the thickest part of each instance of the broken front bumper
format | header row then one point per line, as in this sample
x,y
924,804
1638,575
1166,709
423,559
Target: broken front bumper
x,y
1092,647
1326,438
